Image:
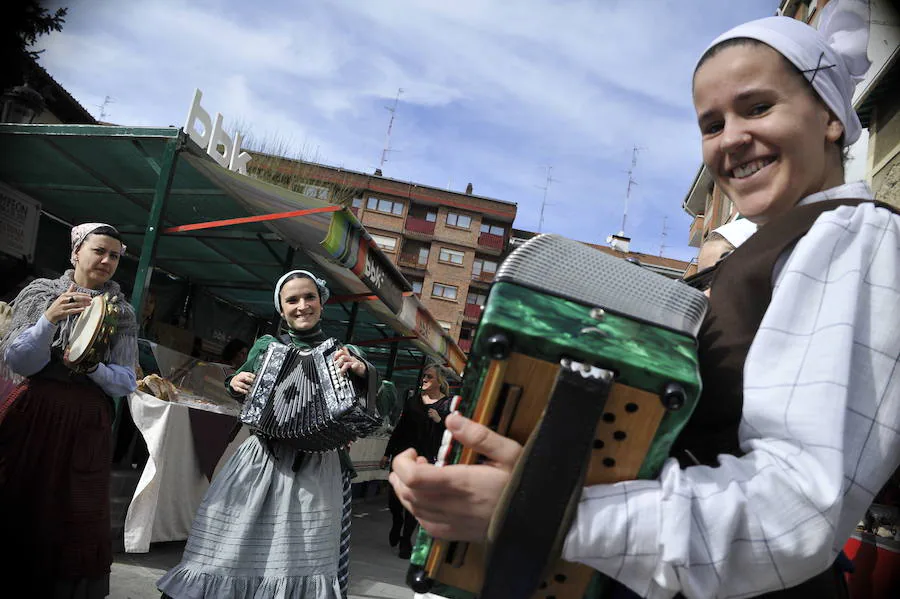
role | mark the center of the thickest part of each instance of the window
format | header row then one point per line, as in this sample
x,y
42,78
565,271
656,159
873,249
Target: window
x,y
314,191
493,229
357,203
431,216
423,256
417,287
451,256
445,325
388,244
476,298
459,220
480,265
386,206
444,291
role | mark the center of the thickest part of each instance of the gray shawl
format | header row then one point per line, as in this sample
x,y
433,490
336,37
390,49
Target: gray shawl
x,y
34,300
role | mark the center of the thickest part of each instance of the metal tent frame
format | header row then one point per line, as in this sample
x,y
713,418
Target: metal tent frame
x,y
224,232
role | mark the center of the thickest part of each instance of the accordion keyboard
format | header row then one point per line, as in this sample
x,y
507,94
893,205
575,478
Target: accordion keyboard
x,y
301,398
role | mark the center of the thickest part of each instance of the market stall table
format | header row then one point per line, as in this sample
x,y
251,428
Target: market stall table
x,y
176,475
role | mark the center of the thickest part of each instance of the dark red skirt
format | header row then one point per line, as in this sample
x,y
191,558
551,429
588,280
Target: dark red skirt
x,y
54,483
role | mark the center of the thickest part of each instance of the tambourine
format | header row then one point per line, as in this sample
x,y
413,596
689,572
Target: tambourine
x,y
91,335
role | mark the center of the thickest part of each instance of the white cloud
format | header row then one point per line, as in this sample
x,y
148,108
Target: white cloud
x,y
491,90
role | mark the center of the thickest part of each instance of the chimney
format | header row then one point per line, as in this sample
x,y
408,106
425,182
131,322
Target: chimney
x,y
469,189
378,172
619,242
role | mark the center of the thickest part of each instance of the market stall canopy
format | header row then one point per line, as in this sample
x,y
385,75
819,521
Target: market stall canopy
x,y
228,233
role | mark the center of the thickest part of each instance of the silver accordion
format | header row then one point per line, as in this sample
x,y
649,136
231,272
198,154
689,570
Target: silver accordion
x,y
300,398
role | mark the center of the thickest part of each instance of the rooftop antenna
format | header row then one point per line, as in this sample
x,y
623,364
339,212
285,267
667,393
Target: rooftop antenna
x,y
631,182
387,143
545,187
662,241
106,102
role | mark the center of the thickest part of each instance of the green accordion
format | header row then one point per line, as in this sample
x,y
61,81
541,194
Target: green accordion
x,y
590,362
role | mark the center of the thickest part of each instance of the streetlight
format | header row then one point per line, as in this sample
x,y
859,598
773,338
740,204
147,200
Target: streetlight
x,y
21,105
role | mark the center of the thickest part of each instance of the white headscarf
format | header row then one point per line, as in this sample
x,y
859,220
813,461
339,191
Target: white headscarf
x,y
80,233
833,58
321,286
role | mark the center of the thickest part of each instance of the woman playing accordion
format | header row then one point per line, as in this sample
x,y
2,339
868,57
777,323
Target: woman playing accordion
x,y
798,424
275,521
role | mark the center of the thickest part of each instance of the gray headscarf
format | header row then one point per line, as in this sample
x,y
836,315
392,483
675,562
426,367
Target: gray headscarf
x,y
321,286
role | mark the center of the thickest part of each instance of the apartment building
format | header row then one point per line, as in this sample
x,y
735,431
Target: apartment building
x,y
447,244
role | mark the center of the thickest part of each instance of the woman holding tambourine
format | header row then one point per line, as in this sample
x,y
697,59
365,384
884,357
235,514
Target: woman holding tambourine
x,y
55,426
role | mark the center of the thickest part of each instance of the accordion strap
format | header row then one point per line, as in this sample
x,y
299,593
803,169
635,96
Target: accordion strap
x,y
537,508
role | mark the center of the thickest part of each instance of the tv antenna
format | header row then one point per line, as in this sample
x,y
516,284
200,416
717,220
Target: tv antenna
x,y
631,181
663,235
387,143
545,187
106,102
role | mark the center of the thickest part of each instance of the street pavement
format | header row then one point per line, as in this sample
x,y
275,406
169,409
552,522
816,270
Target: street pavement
x,y
375,570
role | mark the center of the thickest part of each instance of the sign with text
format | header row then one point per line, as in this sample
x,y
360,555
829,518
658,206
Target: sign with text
x,y
348,242
213,137
372,269
19,219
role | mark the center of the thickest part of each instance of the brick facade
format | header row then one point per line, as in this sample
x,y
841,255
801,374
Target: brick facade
x,y
412,229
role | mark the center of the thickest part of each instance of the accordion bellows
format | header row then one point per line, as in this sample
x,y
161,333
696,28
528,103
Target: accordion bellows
x,y
300,398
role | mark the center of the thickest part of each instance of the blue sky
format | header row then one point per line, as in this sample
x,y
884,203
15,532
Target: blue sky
x,y
493,91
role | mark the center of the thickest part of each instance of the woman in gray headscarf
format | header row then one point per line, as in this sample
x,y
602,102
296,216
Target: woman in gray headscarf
x,y
55,427
275,522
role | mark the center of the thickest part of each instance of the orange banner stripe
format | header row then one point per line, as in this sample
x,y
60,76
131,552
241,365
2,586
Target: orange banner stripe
x,y
215,224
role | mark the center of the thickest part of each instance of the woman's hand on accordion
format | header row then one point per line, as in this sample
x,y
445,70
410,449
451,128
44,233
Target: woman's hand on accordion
x,y
345,361
242,381
457,502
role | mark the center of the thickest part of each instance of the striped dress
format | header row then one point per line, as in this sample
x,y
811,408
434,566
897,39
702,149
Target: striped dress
x,y
264,530
272,524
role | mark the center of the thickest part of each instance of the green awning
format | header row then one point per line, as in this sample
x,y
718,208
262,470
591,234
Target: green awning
x,y
83,173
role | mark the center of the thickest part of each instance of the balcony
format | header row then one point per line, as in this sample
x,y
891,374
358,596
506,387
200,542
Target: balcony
x,y
472,311
484,277
411,261
695,237
465,345
491,241
419,225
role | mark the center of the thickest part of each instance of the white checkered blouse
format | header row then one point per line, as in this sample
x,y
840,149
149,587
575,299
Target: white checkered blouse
x,y
820,425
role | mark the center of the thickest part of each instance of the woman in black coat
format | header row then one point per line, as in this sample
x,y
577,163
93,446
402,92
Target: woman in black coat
x,y
421,426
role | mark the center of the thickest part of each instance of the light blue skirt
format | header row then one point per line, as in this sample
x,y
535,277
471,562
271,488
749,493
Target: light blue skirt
x,y
264,531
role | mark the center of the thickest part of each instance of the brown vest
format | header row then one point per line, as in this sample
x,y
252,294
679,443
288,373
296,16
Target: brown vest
x,y
741,293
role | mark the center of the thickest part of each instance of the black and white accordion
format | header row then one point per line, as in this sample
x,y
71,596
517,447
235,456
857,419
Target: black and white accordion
x,y
299,397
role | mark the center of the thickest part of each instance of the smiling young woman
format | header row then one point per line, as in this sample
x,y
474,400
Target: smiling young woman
x,y
275,522
768,139
798,425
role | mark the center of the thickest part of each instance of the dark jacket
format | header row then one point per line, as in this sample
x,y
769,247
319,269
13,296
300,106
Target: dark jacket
x,y
415,429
